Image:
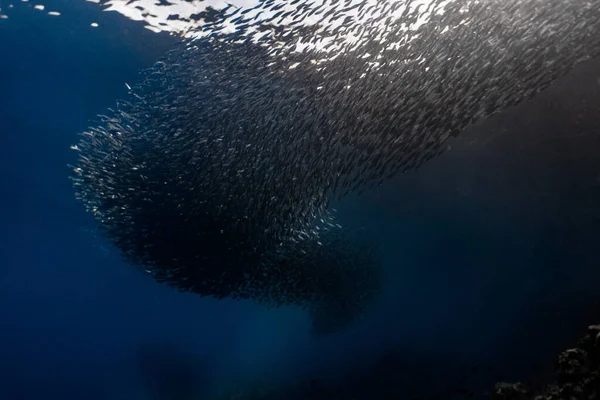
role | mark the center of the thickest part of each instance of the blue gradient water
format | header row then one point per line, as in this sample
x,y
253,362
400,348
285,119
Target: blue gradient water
x,y
490,249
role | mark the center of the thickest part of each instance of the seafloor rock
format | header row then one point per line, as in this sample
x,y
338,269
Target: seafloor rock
x,y
505,391
577,375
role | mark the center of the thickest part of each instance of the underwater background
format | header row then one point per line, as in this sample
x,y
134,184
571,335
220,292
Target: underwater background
x,y
490,249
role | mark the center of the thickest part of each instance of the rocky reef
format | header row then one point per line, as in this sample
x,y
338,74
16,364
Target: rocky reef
x,y
577,375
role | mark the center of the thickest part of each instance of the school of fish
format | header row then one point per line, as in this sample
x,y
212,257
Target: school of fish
x,y
216,174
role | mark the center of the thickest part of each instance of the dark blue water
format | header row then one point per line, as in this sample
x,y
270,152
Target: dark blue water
x,y
491,248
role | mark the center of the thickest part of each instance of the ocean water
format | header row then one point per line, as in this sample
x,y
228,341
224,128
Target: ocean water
x,y
490,249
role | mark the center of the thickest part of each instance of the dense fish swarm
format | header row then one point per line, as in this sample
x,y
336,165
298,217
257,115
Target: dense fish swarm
x,y
335,278
216,173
